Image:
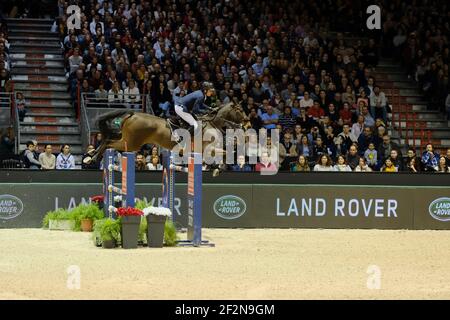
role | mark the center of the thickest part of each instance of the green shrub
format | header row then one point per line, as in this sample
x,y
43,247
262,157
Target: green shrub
x,y
170,234
141,204
143,230
60,214
86,211
107,229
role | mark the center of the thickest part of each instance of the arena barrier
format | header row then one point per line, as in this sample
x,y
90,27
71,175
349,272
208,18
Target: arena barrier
x,y
194,195
127,189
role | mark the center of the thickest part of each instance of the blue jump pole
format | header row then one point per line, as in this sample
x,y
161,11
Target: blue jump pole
x,y
194,195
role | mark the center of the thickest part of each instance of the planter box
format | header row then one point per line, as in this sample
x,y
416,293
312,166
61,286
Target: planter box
x,y
130,231
109,244
61,224
155,230
86,225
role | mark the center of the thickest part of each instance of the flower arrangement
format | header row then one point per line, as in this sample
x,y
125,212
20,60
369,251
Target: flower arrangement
x,y
128,211
117,198
157,211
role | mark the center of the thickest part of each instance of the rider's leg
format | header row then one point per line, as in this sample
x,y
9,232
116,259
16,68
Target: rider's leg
x,y
186,116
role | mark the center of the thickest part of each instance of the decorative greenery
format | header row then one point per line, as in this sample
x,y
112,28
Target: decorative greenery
x,y
141,204
143,230
107,229
60,214
170,234
86,211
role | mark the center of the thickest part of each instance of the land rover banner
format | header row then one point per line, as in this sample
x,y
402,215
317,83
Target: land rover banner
x,y
254,206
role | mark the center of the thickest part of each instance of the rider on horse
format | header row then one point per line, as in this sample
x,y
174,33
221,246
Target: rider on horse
x,y
193,103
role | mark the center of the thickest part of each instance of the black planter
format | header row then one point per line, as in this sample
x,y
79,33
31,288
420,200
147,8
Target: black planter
x,y
155,230
130,231
109,244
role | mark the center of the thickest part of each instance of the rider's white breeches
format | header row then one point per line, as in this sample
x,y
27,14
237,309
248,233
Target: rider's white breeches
x,y
186,116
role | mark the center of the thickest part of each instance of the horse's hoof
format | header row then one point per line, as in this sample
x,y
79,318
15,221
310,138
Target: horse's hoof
x,y
216,172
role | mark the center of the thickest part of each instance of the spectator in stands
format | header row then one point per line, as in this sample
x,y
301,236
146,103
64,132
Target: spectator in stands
x,y
269,119
265,165
141,164
65,159
396,160
447,157
21,105
300,165
5,83
255,120
363,166
163,100
287,150
345,139
345,114
442,166
413,165
411,154
378,104
306,102
115,96
353,157
388,166
155,164
30,159
368,120
98,140
305,148
132,95
359,126
75,61
287,120
86,158
430,159
101,96
341,165
371,155
6,141
241,165
319,148
324,164
47,159
385,148
316,112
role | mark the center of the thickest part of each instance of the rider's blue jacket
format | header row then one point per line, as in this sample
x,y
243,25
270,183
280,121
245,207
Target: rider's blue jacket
x,y
193,101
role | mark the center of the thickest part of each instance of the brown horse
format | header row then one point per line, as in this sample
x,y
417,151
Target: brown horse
x,y
133,130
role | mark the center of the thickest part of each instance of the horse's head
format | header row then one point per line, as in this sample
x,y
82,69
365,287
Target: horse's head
x,y
234,113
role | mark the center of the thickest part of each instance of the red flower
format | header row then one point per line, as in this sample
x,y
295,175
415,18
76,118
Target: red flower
x,y
128,211
99,198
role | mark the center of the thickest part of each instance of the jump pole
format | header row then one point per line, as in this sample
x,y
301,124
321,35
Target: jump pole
x,y
127,190
194,195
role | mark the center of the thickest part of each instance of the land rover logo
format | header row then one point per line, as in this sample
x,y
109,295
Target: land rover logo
x,y
10,206
440,209
229,207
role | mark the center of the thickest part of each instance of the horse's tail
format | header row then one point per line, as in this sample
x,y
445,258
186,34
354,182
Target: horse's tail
x,y
104,123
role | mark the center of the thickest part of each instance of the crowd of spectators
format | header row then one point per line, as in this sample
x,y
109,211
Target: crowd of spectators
x,y
270,57
280,60
5,60
419,33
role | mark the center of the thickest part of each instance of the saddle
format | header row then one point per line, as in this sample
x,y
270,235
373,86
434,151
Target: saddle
x,y
176,122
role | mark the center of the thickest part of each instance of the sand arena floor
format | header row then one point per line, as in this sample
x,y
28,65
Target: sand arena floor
x,y
245,264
